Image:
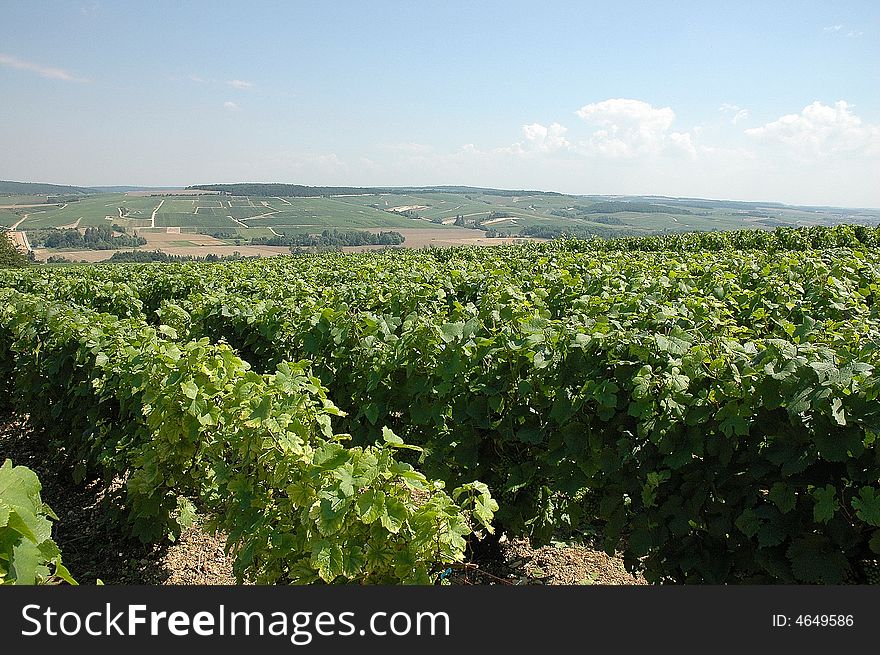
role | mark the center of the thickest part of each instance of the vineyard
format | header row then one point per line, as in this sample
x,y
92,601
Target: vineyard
x,y
707,402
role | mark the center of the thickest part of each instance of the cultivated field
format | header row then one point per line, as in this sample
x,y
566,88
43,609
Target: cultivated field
x,y
426,218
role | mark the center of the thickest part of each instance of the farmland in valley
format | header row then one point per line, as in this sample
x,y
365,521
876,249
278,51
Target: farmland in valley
x,y
431,215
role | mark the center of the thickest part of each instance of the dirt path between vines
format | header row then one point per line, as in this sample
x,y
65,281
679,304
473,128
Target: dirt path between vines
x,y
20,221
155,211
95,545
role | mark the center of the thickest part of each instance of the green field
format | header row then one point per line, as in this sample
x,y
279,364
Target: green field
x,y
94,210
21,199
9,217
534,214
193,220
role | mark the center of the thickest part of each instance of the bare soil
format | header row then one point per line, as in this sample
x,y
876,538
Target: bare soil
x,y
202,245
161,236
18,238
95,545
42,254
206,245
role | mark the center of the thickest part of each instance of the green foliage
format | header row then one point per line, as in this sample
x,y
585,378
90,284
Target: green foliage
x,y
708,402
782,239
333,237
10,255
151,256
191,420
101,237
27,553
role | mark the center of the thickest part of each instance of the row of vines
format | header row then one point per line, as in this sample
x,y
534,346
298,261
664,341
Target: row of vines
x,y
708,402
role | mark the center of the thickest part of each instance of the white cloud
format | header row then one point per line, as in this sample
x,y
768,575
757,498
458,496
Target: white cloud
x,y
627,146
821,130
682,143
545,138
630,128
196,78
240,84
735,112
616,111
43,71
231,106
741,115
836,29
513,149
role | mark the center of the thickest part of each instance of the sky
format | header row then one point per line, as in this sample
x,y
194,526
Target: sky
x,y
769,100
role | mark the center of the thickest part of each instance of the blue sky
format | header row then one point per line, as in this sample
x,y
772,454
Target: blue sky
x,y
745,100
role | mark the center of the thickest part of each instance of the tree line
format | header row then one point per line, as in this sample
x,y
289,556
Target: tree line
x,y
333,238
93,238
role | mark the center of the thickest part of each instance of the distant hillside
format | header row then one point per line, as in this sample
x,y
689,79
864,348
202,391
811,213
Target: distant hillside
x,y
40,189
302,191
613,207
288,190
126,189
704,203
474,190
